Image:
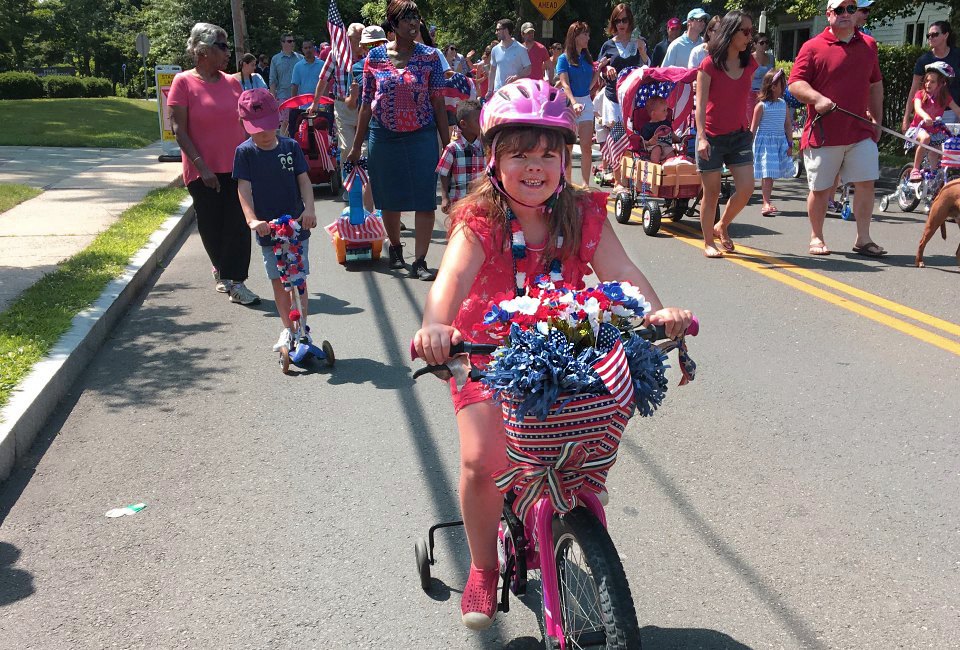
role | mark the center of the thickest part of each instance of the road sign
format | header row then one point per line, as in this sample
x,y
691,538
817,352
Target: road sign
x,y
164,75
546,31
548,8
143,45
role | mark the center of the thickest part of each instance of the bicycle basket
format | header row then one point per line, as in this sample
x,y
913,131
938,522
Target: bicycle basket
x,y
572,449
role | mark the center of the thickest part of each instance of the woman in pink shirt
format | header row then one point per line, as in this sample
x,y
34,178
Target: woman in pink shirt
x,y
203,103
723,132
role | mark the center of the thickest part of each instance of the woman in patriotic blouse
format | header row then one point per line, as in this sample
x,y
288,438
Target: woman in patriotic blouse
x,y
403,111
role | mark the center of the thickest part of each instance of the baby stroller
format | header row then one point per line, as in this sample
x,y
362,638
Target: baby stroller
x,y
657,188
314,132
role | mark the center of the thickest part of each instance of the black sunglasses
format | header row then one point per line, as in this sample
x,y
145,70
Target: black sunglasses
x,y
222,46
933,34
621,20
850,9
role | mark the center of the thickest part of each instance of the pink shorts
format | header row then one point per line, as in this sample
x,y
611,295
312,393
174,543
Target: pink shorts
x,y
473,392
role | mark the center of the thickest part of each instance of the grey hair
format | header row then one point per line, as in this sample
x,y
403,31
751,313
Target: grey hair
x,y
354,28
202,38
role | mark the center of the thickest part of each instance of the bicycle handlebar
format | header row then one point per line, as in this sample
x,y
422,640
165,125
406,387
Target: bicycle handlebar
x,y
652,333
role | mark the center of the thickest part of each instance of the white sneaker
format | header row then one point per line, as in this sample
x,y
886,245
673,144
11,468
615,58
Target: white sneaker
x,y
223,286
283,341
243,296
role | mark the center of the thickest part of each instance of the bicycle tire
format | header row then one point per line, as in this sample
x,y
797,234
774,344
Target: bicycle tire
x,y
612,619
907,198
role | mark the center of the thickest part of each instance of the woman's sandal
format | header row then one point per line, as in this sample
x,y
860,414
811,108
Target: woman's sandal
x,y
726,244
712,252
819,249
769,212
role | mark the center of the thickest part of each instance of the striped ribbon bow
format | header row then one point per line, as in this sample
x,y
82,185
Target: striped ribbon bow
x,y
352,171
560,480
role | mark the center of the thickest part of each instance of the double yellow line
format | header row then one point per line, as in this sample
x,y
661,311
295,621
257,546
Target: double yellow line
x,y
839,294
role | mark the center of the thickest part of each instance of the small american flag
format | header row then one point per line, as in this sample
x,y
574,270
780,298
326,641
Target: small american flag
x,y
339,44
614,147
613,368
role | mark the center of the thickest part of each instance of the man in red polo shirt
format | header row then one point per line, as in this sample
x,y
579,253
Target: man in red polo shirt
x,y
536,51
839,67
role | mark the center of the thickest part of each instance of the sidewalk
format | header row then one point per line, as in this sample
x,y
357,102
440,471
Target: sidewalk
x,y
85,190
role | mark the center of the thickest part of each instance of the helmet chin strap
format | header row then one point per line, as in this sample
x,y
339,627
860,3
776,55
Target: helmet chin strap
x,y
547,205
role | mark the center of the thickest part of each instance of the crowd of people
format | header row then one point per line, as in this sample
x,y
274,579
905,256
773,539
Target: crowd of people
x,y
506,178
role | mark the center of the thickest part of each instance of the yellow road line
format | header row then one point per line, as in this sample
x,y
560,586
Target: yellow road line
x,y
758,261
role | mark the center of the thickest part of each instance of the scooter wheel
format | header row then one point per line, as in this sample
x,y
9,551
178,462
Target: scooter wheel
x,y
285,360
329,357
884,203
423,563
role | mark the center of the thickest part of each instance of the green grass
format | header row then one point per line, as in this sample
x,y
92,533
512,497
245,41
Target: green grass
x,y
110,122
34,323
12,194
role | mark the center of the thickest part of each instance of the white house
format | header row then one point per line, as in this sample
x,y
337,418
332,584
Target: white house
x,y
912,28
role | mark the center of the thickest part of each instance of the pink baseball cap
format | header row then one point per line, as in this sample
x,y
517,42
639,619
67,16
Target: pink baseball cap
x,y
673,23
259,110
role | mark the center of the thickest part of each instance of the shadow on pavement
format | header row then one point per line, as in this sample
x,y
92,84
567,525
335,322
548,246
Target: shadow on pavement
x,y
762,587
151,367
687,638
15,584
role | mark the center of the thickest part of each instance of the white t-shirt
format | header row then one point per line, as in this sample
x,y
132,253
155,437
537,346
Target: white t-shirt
x,y
678,52
698,54
508,61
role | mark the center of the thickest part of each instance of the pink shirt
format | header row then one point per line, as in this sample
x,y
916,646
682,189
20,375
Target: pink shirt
x,y
930,106
213,123
538,58
727,98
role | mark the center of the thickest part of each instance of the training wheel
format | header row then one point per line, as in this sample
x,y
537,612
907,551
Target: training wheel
x,y
329,357
423,563
884,203
285,360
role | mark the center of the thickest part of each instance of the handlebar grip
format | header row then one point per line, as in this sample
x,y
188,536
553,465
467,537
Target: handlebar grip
x,y
657,332
463,347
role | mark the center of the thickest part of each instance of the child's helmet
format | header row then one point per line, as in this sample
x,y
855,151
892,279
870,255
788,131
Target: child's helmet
x,y
530,102
942,67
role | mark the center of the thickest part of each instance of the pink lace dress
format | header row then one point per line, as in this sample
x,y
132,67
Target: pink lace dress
x,y
496,277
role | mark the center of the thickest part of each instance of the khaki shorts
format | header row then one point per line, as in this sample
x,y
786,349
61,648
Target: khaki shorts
x,y
346,127
854,162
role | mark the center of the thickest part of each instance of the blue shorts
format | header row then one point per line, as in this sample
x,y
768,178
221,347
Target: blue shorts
x,y
270,260
730,149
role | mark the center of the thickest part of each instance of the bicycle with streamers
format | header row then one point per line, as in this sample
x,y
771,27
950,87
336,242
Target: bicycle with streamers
x,y
568,380
288,250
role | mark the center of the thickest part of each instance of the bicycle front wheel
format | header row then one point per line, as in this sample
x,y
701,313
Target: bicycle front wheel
x,y
596,607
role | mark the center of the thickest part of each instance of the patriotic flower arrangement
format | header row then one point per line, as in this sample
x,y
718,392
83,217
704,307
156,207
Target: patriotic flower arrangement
x,y
558,343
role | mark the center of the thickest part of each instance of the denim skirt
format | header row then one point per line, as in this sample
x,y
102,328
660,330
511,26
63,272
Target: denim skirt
x,y
403,168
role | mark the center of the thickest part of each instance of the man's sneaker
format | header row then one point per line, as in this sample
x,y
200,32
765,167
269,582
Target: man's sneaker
x,y
478,604
243,296
283,341
396,257
419,270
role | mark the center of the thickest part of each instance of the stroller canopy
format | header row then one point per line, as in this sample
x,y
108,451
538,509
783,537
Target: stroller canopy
x,y
636,85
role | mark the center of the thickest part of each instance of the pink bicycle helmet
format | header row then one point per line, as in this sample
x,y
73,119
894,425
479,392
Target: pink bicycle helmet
x,y
528,102
942,67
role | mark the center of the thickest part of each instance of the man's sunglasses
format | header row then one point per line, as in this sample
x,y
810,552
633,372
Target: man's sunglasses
x,y
850,9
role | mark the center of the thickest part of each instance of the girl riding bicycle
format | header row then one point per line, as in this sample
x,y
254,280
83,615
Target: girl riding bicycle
x,y
930,103
522,222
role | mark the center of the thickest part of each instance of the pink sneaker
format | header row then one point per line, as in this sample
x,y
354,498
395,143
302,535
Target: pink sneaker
x,y
479,601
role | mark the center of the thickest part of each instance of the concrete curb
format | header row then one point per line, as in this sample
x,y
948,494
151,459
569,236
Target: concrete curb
x,y
34,400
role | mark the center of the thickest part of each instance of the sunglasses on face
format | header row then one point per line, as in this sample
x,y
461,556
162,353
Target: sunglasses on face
x,y
289,40
850,9
621,20
933,34
222,46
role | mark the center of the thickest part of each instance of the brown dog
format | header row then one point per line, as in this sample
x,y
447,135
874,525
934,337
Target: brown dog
x,y
945,206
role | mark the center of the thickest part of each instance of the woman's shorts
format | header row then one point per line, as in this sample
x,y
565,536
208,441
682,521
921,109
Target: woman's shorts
x,y
854,162
587,114
270,260
472,392
730,149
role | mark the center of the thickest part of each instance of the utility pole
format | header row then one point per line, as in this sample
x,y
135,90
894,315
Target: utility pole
x,y
239,30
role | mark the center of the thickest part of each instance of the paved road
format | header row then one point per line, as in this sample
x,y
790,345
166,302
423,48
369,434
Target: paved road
x,y
800,494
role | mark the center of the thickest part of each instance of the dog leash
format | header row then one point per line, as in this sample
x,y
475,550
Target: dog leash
x,y
816,123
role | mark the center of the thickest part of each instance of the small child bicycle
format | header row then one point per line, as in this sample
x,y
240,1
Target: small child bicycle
x,y
299,349
553,518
